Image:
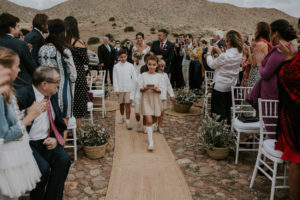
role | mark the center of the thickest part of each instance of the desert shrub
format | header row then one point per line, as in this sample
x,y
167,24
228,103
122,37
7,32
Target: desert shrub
x,y
129,29
175,35
110,36
93,40
92,22
114,24
112,19
152,29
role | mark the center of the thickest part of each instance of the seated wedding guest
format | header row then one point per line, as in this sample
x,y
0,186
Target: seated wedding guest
x,y
226,67
56,54
261,47
288,140
46,134
19,171
35,37
9,31
267,86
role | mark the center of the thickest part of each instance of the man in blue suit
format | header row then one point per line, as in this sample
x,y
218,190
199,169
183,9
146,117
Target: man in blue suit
x,y
35,37
46,134
9,30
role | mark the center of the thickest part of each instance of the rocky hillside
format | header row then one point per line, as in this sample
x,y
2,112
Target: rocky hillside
x,y
198,17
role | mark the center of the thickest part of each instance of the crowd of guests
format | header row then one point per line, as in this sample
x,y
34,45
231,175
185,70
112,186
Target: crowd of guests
x,y
43,84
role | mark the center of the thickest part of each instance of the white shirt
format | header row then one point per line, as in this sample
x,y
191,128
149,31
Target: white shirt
x,y
10,35
124,78
39,31
227,68
166,87
150,79
41,124
164,43
108,47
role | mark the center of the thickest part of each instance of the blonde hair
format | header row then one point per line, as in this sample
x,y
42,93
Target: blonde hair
x,y
7,59
161,62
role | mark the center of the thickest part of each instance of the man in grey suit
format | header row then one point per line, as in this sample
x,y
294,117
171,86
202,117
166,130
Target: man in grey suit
x,y
35,37
9,30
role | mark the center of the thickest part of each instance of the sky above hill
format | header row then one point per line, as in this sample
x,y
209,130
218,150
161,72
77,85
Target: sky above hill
x,y
37,4
291,7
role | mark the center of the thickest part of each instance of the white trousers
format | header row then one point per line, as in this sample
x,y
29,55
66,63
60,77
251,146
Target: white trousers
x,y
185,73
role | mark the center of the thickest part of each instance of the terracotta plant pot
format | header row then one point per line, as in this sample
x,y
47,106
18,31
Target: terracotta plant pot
x,y
182,108
218,153
95,152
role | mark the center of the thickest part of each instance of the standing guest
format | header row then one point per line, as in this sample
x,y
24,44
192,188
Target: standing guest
x,y
245,38
139,51
219,42
24,32
56,54
204,45
46,134
166,89
267,86
196,66
262,47
9,30
246,65
124,85
36,37
117,48
128,46
177,80
289,99
298,39
188,44
80,57
16,156
150,84
226,67
106,56
163,49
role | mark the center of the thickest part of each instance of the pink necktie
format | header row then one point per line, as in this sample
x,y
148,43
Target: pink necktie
x,y
59,138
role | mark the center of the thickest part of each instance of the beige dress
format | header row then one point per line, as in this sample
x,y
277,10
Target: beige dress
x,y
150,101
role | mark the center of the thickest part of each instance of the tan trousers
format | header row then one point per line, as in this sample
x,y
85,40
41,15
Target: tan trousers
x,y
185,73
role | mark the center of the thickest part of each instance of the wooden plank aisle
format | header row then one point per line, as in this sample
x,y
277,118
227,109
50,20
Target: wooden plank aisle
x,y
141,175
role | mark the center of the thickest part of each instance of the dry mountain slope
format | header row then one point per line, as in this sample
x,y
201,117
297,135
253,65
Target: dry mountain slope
x,y
195,16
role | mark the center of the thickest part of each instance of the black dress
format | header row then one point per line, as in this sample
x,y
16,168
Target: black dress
x,y
80,58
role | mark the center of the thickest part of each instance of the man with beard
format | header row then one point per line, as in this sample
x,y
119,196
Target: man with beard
x,y
35,37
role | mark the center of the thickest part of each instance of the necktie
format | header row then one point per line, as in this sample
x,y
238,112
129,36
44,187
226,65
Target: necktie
x,y
161,46
59,138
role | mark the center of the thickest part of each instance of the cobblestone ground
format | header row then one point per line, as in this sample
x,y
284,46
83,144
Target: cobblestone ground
x,y
207,178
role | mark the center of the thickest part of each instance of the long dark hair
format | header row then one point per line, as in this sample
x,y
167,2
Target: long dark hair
x,y
72,30
285,30
263,31
57,35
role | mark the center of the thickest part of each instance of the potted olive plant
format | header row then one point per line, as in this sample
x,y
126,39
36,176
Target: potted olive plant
x,y
184,99
94,139
216,137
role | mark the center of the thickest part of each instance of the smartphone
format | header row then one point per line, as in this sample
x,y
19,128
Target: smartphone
x,y
211,42
176,40
150,85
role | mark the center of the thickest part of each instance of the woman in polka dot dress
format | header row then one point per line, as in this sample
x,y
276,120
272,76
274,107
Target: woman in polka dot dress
x,y
79,52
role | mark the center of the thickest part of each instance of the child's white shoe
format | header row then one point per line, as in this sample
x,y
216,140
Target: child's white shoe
x,y
139,127
161,130
154,127
121,120
150,139
128,125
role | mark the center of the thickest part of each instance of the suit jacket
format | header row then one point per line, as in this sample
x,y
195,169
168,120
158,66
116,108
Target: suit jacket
x,y
37,40
167,52
129,52
26,97
106,57
27,64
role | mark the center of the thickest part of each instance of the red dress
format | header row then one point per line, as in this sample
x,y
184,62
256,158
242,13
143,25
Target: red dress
x,y
289,97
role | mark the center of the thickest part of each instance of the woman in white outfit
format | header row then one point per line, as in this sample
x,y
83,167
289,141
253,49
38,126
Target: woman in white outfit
x,y
138,53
